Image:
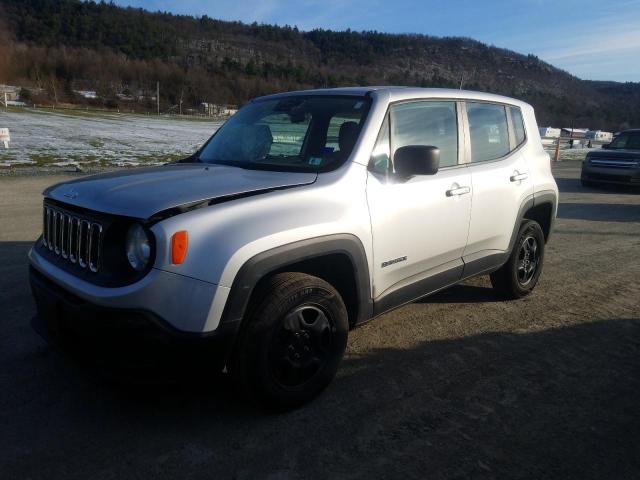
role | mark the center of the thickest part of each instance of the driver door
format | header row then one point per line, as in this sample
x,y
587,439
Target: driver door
x,y
419,224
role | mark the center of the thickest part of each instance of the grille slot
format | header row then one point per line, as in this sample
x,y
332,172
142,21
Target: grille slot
x,y
74,238
616,163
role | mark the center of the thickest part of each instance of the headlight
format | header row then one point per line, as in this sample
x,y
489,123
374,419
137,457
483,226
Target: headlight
x,y
138,247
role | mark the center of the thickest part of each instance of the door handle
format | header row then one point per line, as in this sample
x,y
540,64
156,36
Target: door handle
x,y
517,177
458,191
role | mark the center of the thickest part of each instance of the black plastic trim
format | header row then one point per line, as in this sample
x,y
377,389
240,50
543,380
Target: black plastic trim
x,y
416,290
527,204
487,264
279,258
547,197
72,323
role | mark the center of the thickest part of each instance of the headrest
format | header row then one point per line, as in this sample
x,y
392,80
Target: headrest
x,y
347,136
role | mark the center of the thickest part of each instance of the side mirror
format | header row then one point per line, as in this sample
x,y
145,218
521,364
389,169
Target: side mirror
x,y
416,160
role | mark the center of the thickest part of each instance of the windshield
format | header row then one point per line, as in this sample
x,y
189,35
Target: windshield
x,y
626,141
293,133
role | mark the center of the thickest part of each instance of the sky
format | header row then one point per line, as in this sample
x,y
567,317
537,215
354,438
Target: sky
x,y
592,39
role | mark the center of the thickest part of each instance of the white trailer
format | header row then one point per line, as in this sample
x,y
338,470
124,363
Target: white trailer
x,y
600,136
549,132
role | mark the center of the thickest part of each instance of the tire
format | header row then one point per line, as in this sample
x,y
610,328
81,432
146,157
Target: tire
x,y
586,183
290,348
519,276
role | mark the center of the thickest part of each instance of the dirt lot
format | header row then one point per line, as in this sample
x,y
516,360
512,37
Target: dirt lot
x,y
459,385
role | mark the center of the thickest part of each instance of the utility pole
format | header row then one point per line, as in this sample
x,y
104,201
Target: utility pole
x,y
158,96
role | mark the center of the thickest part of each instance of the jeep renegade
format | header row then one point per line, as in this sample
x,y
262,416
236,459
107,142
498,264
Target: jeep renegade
x,y
304,215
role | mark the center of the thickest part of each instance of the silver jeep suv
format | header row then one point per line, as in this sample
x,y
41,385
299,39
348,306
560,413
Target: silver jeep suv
x,y
304,215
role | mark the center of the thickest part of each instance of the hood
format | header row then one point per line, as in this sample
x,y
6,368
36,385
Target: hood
x,y
145,192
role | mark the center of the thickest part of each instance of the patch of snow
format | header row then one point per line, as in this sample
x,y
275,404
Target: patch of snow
x,y
62,139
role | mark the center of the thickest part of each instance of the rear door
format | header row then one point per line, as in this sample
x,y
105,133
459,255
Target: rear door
x,y
499,174
419,224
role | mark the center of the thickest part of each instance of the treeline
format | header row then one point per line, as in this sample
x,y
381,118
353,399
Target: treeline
x,y
61,46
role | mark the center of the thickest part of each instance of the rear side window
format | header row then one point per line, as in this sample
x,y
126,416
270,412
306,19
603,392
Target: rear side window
x,y
488,131
518,125
429,124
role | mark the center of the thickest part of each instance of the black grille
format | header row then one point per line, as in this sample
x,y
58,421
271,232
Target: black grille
x,y
616,162
74,238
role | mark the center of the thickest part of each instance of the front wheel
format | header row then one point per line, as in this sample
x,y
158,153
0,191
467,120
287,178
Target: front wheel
x,y
519,276
293,342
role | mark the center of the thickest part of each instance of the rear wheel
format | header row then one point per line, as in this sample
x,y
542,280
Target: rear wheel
x,y
586,183
519,276
293,342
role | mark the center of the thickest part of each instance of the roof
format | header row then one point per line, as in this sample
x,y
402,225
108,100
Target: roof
x,y
9,88
396,93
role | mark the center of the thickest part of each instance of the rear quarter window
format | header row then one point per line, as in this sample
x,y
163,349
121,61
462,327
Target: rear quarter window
x,y
518,125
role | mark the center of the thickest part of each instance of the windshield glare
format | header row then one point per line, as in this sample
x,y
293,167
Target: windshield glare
x,y
296,133
626,141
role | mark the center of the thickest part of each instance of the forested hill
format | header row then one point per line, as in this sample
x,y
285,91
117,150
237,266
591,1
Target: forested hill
x,y
66,45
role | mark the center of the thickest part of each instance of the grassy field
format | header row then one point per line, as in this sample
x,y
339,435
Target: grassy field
x,y
53,138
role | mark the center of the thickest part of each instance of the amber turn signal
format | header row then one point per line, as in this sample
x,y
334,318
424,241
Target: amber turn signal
x,y
179,245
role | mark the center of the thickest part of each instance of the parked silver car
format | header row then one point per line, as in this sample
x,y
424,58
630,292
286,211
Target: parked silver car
x,y
306,214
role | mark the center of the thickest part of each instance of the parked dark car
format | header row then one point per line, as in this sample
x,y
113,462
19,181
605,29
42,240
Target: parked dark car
x,y
616,163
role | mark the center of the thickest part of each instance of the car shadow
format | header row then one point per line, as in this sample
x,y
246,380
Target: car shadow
x,y
600,212
573,185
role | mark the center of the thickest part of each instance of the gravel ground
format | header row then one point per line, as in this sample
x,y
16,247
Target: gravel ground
x,y
459,385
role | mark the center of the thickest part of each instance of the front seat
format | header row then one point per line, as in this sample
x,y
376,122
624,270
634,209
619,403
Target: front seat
x,y
347,137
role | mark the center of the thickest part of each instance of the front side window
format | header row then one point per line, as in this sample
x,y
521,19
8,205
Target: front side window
x,y
488,131
429,124
291,133
626,141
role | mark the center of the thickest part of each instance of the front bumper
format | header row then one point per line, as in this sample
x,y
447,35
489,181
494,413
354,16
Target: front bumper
x,y
185,303
124,341
613,175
